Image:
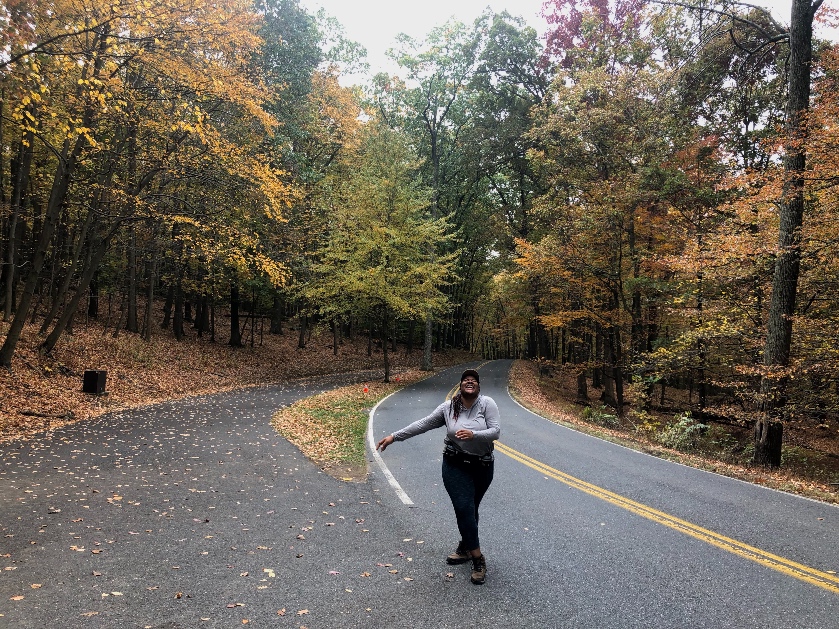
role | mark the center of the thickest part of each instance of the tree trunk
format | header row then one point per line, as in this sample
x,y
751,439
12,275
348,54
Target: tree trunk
x,y
2,138
205,313
69,275
769,427
235,334
582,388
609,394
22,167
385,355
87,275
120,318
131,323
276,315
58,193
301,339
597,376
93,297
212,320
167,306
149,299
178,320
427,364
412,324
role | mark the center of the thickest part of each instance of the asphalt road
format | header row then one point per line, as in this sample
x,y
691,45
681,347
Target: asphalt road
x,y
196,514
579,532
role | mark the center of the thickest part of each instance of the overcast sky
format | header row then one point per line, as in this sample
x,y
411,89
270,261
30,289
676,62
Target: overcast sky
x,y
375,23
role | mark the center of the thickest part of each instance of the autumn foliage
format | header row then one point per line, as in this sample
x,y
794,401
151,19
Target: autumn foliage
x,y
644,199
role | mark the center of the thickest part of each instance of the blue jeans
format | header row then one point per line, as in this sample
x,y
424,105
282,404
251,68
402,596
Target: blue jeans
x,y
466,484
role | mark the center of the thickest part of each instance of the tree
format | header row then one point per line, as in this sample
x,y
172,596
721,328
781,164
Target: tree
x,y
769,426
438,70
126,114
374,260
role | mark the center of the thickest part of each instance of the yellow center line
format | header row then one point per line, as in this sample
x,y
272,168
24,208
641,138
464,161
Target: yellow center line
x,y
799,571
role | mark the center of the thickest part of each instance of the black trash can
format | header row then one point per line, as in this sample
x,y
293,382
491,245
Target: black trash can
x,y
94,381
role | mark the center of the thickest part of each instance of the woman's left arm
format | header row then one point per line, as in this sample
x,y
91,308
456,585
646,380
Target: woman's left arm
x,y
492,417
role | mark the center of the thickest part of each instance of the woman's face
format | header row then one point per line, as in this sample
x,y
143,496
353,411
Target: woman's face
x,y
469,386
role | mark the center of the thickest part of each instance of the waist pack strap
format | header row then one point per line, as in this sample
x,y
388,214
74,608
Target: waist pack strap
x,y
455,454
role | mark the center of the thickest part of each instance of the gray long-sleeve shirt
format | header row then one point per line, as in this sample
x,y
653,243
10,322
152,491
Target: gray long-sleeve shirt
x,y
481,418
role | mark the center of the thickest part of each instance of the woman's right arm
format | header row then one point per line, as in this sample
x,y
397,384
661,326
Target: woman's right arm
x,y
430,422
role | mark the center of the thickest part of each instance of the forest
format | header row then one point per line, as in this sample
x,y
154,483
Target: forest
x,y
643,197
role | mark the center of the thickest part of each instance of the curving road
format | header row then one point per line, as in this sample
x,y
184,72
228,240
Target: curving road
x,y
579,532
195,514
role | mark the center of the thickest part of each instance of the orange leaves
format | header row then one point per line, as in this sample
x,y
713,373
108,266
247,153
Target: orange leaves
x,y
33,398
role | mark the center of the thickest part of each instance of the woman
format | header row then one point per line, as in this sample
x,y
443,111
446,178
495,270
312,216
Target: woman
x,y
471,422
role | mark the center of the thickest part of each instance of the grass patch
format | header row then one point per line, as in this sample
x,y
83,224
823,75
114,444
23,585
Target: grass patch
x,y
330,428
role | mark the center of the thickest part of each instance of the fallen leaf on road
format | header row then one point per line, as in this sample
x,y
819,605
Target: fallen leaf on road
x,y
303,612
281,612
17,598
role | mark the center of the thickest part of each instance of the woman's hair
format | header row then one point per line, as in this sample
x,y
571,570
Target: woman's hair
x,y
457,405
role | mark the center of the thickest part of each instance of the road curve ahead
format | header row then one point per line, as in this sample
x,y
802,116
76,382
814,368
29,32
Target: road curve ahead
x,y
579,532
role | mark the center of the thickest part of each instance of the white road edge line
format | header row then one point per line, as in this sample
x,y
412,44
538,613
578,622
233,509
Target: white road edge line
x,y
380,461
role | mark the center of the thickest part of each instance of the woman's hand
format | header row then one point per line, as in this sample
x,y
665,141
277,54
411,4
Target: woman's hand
x,y
464,434
384,443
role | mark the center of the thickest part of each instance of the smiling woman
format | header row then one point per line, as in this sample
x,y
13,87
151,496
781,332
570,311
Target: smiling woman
x,y
471,422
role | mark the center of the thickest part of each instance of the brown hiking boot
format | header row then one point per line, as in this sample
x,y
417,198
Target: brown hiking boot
x,y
458,556
479,570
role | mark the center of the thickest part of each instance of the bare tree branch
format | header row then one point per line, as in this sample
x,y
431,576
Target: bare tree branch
x,y
781,35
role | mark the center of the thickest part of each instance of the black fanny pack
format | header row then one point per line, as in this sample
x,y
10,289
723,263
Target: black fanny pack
x,y
454,454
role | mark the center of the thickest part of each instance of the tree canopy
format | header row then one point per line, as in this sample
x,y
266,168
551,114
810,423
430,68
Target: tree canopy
x,y
644,195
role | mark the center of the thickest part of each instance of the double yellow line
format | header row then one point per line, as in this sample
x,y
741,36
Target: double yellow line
x,y
826,580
